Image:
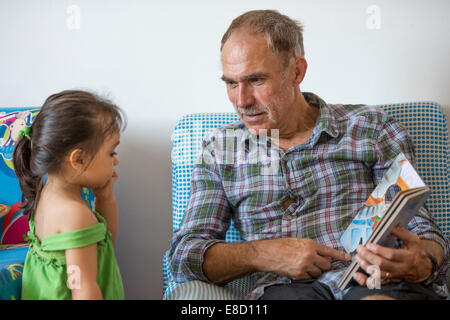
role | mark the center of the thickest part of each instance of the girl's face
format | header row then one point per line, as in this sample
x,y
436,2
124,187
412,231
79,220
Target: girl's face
x,y
101,168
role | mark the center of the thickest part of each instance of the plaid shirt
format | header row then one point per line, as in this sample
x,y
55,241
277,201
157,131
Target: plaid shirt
x,y
328,178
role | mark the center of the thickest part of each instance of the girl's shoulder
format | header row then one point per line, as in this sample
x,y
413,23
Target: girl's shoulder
x,y
62,217
76,215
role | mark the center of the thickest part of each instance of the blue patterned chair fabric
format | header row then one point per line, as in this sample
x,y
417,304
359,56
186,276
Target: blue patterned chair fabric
x,y
424,121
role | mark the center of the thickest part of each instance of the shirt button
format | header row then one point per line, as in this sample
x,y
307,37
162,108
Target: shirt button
x,y
288,217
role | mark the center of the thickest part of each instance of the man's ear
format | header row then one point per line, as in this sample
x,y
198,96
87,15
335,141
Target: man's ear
x,y
76,159
300,65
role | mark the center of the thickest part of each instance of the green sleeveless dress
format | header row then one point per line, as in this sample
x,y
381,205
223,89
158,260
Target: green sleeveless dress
x,y
45,274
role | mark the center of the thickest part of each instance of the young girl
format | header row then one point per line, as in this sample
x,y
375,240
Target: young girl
x,y
72,140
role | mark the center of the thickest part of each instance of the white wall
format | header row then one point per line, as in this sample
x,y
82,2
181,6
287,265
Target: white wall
x,y
160,60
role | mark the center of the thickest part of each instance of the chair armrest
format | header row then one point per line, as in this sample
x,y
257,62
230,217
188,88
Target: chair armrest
x,y
199,290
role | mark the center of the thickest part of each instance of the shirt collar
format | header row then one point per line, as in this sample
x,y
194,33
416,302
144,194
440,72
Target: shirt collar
x,y
326,122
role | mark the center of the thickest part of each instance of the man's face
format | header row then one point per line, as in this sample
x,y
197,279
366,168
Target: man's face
x,y
261,93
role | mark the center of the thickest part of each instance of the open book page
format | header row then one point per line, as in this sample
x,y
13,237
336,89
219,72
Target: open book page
x,y
400,176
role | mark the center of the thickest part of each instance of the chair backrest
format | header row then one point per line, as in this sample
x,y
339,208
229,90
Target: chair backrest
x,y
186,146
12,120
427,126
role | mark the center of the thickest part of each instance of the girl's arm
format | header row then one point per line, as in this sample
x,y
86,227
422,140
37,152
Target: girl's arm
x,y
81,262
82,273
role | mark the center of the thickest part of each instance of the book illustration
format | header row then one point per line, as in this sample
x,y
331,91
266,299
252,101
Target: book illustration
x,y
400,176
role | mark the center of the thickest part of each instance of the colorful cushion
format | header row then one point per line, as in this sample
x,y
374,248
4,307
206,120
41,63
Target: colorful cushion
x,y
13,224
11,266
12,120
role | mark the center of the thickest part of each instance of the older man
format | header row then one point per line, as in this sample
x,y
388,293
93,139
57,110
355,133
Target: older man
x,y
329,159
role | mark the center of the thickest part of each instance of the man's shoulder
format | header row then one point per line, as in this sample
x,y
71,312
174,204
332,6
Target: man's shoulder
x,y
216,141
236,125
355,112
223,131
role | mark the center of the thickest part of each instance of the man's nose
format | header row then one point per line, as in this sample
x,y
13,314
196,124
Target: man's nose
x,y
244,96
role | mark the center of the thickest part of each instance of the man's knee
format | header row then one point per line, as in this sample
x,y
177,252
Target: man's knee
x,y
377,297
298,290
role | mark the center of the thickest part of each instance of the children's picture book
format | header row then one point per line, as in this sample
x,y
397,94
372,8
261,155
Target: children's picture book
x,y
395,200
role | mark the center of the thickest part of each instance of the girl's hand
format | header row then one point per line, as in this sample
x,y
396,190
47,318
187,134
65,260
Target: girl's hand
x,y
107,191
106,205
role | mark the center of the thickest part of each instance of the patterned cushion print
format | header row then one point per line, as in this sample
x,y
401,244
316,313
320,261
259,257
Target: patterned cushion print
x,y
424,121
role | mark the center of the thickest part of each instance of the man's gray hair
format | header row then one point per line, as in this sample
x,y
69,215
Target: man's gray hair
x,y
283,34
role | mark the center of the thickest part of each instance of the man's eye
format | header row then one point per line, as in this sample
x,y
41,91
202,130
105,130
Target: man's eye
x,y
256,81
232,84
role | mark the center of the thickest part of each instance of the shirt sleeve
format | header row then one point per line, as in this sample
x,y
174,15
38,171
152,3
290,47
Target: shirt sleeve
x,y
205,221
393,139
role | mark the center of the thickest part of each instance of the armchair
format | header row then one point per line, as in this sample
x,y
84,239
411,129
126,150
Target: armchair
x,y
425,122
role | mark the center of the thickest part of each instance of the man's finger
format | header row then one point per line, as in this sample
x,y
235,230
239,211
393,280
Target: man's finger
x,y
333,253
404,235
360,278
314,272
387,253
365,258
323,263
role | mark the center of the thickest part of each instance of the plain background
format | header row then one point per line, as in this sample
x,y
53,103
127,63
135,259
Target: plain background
x,y
160,60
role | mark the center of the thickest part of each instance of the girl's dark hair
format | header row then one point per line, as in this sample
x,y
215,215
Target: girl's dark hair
x,y
68,120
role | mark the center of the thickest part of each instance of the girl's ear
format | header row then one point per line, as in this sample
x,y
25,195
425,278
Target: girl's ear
x,y
76,159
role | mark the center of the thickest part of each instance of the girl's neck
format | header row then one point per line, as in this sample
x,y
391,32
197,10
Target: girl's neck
x,y
57,184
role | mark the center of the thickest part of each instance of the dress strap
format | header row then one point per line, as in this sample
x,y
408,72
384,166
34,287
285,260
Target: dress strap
x,y
74,239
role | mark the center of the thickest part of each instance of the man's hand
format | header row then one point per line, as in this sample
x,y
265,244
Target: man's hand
x,y
410,263
290,257
296,258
